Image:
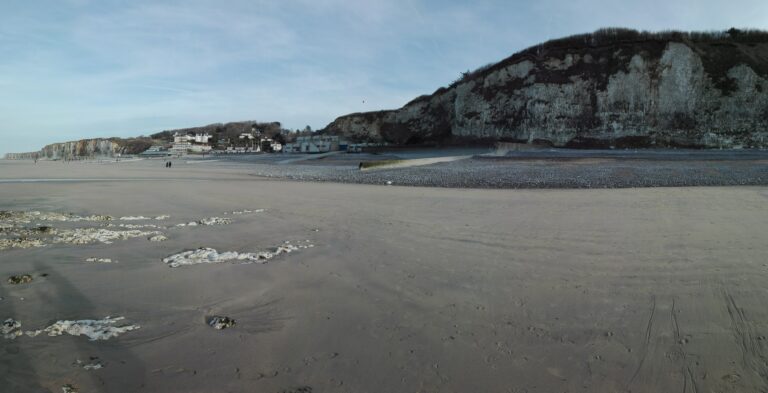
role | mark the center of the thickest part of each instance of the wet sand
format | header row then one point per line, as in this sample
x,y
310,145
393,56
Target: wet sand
x,y
406,289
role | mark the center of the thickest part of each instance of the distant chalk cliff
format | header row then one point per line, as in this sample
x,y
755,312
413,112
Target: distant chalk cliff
x,y
85,148
111,147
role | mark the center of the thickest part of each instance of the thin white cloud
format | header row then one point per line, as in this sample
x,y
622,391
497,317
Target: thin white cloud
x,y
76,68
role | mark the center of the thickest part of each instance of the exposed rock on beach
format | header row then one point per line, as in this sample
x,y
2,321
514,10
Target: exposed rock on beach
x,y
210,255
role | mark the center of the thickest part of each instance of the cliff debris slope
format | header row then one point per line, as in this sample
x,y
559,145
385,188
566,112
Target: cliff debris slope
x,y
611,88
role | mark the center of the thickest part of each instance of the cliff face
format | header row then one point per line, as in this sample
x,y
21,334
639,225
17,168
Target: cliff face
x,y
627,90
90,148
81,148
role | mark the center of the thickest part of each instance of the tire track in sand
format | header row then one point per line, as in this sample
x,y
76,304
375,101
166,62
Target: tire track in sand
x,y
689,379
751,348
646,340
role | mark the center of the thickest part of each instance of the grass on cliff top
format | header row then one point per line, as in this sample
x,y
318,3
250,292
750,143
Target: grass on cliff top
x,y
616,35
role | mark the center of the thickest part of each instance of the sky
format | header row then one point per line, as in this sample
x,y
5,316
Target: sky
x,y
73,69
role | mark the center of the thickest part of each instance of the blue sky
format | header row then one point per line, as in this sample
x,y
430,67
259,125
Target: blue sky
x,y
72,69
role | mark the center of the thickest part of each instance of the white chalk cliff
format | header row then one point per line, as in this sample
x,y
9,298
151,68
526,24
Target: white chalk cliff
x,y
607,89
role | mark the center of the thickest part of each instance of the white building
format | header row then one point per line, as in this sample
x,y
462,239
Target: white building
x,y
253,144
180,148
185,143
200,138
270,145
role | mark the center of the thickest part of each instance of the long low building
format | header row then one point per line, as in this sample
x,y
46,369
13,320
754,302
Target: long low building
x,y
23,156
156,151
313,144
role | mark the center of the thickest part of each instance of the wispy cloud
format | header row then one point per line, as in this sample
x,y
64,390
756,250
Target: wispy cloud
x,y
80,68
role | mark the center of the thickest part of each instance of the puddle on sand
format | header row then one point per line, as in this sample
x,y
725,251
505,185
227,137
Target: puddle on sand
x,y
210,255
246,211
26,217
98,235
206,221
23,229
94,329
15,231
20,243
134,226
100,260
139,218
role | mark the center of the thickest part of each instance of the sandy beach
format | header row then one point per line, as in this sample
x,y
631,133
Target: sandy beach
x,y
385,288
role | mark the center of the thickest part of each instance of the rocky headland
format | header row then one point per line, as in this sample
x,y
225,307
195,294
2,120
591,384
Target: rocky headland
x,y
612,88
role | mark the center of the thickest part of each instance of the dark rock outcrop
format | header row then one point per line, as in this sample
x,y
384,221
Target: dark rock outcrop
x,y
612,88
